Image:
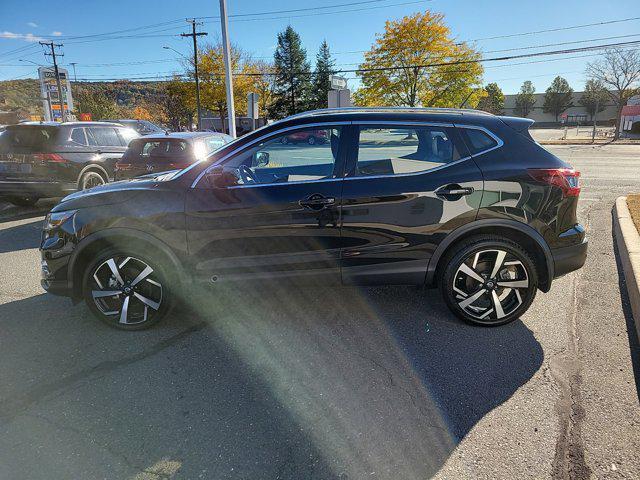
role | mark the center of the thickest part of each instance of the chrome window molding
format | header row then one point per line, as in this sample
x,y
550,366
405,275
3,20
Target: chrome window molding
x,y
241,149
410,123
295,182
499,141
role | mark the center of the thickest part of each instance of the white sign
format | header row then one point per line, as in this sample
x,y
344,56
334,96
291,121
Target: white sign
x,y
339,98
50,95
338,83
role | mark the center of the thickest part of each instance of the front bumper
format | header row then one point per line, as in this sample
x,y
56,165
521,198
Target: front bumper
x,y
570,258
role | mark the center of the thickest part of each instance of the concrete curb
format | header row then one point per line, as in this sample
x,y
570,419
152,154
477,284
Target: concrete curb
x,y
628,241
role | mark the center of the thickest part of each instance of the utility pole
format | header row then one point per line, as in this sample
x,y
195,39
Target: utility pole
x,y
227,67
75,77
195,36
53,46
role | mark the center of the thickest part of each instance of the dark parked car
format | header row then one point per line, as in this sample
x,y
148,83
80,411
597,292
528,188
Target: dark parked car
x,y
157,153
52,159
143,127
456,198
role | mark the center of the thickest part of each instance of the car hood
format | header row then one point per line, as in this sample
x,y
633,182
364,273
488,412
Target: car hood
x,y
113,193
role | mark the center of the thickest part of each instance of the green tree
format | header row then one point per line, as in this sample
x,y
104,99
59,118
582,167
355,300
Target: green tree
x,y
595,96
100,106
325,67
416,61
293,76
179,104
525,99
493,101
558,97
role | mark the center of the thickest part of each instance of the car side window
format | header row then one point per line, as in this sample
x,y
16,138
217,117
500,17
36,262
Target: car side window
x,y
126,135
78,136
302,155
105,136
403,150
478,140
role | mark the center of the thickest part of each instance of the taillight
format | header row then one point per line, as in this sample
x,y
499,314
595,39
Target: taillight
x,y
567,179
49,158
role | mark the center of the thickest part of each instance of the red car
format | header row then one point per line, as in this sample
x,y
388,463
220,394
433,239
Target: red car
x,y
309,136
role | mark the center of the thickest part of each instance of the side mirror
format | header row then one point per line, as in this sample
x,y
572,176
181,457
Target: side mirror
x,y
219,177
260,159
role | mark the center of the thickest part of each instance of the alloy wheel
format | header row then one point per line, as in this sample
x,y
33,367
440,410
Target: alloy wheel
x,y
92,179
126,290
490,285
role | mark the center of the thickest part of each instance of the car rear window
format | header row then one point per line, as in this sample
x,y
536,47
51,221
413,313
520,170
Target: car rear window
x,y
27,138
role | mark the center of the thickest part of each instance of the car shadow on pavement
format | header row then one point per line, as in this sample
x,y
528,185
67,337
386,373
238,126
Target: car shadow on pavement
x,y
21,236
340,383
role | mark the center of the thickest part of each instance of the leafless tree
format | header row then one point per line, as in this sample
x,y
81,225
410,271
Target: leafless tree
x,y
619,71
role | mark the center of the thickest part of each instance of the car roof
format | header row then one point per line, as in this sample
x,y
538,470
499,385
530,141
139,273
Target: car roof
x,y
182,135
69,124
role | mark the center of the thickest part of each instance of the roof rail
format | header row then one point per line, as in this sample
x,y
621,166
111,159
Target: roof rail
x,y
327,111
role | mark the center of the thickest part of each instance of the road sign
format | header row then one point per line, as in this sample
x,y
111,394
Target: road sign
x,y
338,83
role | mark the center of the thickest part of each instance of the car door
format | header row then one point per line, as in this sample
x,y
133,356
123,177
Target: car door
x,y
406,185
108,144
270,211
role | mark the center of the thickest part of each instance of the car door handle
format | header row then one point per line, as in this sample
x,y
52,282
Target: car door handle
x,y
317,201
454,190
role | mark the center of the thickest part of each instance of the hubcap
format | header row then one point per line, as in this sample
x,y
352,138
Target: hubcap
x,y
93,180
126,289
490,285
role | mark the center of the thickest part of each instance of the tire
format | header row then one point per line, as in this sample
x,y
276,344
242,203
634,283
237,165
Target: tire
x,y
90,179
140,298
311,140
488,280
24,201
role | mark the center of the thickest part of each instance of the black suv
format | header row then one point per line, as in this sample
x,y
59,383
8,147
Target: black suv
x,y
52,159
456,198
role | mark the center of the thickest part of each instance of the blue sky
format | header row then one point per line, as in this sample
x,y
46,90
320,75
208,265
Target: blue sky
x,y
347,29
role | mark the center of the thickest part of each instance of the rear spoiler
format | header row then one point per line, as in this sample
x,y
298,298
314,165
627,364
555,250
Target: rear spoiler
x,y
519,124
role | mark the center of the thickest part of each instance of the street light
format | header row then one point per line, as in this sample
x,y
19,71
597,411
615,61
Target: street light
x,y
194,63
24,60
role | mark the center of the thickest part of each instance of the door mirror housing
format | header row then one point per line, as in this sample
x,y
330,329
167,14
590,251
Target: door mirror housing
x,y
260,159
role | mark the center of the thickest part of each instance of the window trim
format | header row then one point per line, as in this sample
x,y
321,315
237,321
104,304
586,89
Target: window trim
x,y
243,148
499,142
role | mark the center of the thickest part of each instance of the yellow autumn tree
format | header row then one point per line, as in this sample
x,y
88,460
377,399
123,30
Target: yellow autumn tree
x,y
213,93
416,62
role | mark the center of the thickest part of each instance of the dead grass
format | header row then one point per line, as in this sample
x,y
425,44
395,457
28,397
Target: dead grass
x,y
633,201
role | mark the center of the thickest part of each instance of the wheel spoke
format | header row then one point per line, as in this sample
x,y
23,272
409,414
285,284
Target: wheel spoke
x,y
498,265
514,284
105,293
142,275
468,301
125,310
497,305
147,301
114,270
464,268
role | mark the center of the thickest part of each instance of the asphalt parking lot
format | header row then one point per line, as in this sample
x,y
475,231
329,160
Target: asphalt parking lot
x,y
345,383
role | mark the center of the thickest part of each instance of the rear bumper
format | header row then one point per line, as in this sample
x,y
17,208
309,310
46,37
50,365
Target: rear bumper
x,y
41,189
568,259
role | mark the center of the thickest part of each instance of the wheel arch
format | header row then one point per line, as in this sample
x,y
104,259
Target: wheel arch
x,y
95,242
518,232
95,168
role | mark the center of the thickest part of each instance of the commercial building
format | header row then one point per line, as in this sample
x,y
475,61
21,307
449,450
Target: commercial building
x,y
575,114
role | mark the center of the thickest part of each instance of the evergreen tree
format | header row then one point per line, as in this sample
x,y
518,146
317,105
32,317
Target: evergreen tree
x,y
493,102
558,97
325,67
293,76
525,99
